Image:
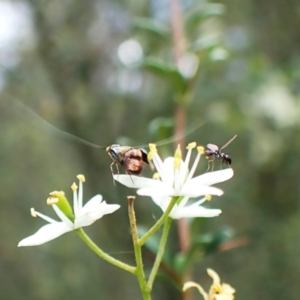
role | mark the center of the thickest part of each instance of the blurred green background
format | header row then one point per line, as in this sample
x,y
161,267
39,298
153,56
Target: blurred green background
x,y
76,64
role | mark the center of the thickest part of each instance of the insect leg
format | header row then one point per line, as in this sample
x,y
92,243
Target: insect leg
x,y
210,164
112,170
130,177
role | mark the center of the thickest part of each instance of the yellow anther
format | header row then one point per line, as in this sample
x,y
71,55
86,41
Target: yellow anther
x,y
81,178
74,187
152,147
200,149
177,158
32,212
191,145
151,154
178,153
57,193
216,288
52,200
156,175
208,197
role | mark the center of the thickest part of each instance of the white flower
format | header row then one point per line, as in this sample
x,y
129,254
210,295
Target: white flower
x,y
218,290
175,180
85,215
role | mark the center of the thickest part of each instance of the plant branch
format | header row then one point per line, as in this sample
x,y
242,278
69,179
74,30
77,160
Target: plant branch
x,y
137,251
104,255
160,253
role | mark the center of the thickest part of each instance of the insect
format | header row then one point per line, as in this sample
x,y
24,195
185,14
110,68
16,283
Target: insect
x,y
214,153
131,158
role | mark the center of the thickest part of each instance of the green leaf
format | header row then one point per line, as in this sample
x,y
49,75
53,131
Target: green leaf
x,y
201,13
210,243
167,72
151,26
205,244
161,128
180,262
205,43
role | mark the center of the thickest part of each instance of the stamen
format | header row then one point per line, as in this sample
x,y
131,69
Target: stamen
x,y
81,178
177,158
57,193
208,197
216,289
46,218
191,145
199,202
74,187
200,149
159,165
152,147
195,164
152,151
188,154
52,200
32,212
151,154
75,199
156,176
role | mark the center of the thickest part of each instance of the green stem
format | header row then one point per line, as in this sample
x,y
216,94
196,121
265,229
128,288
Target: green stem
x,y
137,251
160,253
103,255
159,223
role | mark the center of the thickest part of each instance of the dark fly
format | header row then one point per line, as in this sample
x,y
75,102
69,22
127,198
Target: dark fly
x,y
214,153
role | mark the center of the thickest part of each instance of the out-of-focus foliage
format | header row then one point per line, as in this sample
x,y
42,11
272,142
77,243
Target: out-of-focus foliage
x,y
69,67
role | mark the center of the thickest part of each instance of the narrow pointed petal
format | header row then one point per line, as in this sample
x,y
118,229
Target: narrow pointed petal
x,y
227,290
214,276
88,217
45,234
191,284
159,165
194,212
93,203
211,178
193,191
137,182
162,202
160,191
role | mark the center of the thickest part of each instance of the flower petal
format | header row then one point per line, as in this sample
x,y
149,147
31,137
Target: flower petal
x,y
93,213
214,276
197,191
45,234
211,178
192,212
137,182
92,204
162,202
191,284
168,168
161,190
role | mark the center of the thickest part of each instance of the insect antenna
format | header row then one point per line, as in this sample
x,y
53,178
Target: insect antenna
x,y
228,143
